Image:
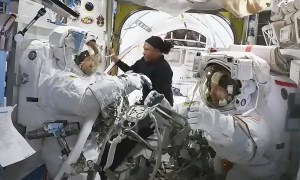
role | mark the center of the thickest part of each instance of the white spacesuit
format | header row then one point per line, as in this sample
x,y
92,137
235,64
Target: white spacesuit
x,y
241,108
77,91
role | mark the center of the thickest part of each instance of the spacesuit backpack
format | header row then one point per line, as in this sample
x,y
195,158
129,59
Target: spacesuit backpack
x,y
35,59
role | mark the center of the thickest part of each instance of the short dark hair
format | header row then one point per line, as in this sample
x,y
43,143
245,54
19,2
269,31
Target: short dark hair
x,y
156,42
79,58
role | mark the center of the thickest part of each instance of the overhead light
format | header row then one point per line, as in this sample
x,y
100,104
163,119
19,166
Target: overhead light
x,y
198,1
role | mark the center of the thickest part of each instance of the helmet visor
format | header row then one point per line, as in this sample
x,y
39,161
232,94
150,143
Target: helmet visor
x,y
89,59
217,88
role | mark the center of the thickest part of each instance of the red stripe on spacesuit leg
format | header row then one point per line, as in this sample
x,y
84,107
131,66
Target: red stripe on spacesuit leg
x,y
255,119
286,84
248,48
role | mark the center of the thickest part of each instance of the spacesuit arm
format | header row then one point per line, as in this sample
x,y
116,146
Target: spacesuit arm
x,y
67,95
111,88
107,90
239,140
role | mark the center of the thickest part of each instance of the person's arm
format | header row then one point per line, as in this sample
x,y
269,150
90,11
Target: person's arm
x,y
239,140
71,95
123,66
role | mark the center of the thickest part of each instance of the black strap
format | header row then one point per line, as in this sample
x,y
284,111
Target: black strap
x,y
32,99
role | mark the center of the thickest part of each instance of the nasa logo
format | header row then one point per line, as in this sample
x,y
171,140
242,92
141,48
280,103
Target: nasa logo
x,y
243,102
32,55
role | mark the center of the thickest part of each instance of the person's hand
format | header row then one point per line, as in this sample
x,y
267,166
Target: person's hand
x,y
202,117
112,55
135,81
153,98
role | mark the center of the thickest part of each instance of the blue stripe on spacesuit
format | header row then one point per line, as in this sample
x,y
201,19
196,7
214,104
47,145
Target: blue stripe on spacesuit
x,y
3,56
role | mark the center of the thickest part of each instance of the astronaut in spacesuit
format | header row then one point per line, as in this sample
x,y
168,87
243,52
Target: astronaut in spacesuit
x,y
77,90
233,107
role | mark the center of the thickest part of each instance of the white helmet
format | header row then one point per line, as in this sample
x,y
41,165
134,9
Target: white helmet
x,y
88,60
67,42
229,79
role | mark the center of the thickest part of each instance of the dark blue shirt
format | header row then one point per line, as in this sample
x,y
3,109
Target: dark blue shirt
x,y
159,72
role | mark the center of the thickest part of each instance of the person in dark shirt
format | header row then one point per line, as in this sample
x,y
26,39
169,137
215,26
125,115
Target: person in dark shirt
x,y
153,65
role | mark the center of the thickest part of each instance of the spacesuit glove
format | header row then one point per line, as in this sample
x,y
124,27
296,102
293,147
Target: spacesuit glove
x,y
134,81
202,118
154,98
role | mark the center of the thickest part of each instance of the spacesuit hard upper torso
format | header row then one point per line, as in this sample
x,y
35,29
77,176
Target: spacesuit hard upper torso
x,y
229,137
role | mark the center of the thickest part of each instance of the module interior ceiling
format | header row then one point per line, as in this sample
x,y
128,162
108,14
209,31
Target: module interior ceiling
x,y
209,5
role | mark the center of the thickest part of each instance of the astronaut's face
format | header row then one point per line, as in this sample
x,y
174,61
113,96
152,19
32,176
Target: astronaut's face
x,y
150,53
88,65
218,94
217,88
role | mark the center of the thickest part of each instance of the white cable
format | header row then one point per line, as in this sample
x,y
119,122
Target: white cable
x,y
109,133
106,139
158,160
195,90
86,129
111,152
65,56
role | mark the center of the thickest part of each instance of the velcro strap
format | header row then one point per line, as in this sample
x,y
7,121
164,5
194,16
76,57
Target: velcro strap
x,y
32,99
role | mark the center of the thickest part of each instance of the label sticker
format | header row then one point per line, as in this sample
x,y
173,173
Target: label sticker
x,y
32,55
87,20
100,20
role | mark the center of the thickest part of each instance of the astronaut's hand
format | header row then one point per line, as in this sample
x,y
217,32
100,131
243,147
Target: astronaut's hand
x,y
201,118
134,81
153,98
113,56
